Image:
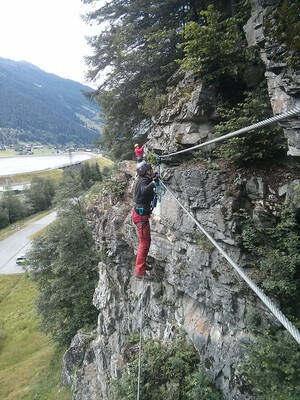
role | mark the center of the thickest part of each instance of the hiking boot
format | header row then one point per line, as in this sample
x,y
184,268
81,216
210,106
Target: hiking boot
x,y
148,268
144,278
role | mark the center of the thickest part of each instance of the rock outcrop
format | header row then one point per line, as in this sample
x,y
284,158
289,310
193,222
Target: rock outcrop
x,y
195,290
283,80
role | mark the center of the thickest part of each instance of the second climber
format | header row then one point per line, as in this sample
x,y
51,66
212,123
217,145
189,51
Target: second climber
x,y
138,152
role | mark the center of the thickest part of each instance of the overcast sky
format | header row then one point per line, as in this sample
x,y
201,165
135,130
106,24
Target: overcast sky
x,y
47,33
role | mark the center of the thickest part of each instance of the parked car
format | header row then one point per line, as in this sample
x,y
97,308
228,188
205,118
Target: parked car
x,y
21,259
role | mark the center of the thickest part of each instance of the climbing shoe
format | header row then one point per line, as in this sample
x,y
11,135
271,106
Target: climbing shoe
x,y
144,278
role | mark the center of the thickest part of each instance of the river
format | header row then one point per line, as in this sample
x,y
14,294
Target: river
x,y
31,163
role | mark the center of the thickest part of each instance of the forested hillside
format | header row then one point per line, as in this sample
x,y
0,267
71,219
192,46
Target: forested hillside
x,y
41,107
145,42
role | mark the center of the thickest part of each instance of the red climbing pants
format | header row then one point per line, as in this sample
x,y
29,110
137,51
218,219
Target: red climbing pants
x,y
143,226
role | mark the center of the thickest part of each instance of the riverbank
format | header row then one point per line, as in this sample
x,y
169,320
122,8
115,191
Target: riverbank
x,y
54,173
36,163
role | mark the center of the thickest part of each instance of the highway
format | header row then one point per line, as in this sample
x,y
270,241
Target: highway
x,y
19,243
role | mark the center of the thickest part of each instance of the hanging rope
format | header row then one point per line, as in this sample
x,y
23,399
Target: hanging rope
x,y
257,125
140,350
271,306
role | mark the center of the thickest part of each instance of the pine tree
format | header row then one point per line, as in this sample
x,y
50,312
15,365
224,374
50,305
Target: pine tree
x,y
139,46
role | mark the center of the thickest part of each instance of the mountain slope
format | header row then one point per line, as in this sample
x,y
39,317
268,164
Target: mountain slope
x,y
42,107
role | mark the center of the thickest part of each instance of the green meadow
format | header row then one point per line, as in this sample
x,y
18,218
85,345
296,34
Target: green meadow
x,y
30,363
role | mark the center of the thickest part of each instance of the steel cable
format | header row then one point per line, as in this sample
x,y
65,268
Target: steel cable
x,y
257,125
140,350
271,306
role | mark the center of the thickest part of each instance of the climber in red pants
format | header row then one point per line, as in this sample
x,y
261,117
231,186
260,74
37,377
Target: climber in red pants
x,y
144,194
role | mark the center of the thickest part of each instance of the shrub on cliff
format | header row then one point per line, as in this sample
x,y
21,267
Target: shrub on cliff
x,y
215,48
272,366
277,253
168,371
272,362
261,144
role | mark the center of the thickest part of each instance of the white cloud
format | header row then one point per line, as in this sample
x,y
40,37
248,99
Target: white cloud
x,y
47,33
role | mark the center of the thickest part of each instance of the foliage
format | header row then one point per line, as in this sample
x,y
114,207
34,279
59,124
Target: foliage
x,y
272,366
152,159
154,101
283,30
168,371
277,251
38,197
263,143
90,174
138,47
203,242
272,361
63,263
30,365
40,193
116,188
216,48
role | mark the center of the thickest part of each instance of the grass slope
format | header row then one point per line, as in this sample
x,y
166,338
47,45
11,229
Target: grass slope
x,y
30,365
52,173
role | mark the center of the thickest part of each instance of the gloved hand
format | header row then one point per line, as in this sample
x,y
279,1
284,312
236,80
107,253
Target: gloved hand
x,y
155,178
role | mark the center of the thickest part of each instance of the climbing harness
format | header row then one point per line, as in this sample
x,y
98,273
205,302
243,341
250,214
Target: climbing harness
x,y
271,306
257,125
159,189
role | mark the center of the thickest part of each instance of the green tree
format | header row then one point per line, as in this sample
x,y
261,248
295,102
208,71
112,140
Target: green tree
x,y
90,174
14,207
4,217
216,48
63,263
40,193
96,173
85,173
138,47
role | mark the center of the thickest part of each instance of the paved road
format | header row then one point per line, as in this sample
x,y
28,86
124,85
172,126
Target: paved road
x,y
19,243
15,186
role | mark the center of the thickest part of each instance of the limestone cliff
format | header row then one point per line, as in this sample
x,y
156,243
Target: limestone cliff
x,y
195,290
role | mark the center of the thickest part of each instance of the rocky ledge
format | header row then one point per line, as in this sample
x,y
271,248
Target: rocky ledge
x,y
195,291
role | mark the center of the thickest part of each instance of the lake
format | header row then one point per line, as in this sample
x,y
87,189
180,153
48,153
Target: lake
x,y
21,164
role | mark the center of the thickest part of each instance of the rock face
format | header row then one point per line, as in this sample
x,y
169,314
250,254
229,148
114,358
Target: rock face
x,y
195,289
188,119
283,80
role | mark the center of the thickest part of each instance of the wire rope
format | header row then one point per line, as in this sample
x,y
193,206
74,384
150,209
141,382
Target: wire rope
x,y
257,125
140,351
271,306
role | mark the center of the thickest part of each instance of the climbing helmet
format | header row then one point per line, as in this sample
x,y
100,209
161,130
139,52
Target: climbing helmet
x,y
143,167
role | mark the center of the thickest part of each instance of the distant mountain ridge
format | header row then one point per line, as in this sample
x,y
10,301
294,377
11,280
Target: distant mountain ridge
x,y
41,107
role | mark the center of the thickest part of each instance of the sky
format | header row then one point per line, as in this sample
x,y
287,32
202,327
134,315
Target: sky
x,y
47,33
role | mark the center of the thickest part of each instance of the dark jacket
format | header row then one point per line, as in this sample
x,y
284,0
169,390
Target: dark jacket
x,y
144,193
